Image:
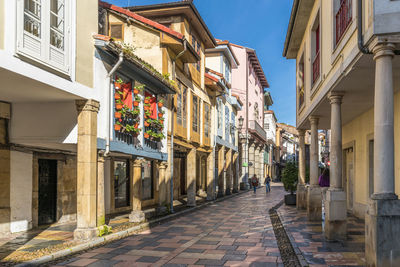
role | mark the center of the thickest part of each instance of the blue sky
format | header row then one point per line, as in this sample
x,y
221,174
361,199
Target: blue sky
x,y
259,24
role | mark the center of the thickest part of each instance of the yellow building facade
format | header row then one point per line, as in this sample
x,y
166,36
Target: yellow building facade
x,y
346,63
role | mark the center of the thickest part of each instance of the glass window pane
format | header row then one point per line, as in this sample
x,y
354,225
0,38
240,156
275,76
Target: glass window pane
x,y
33,7
121,184
206,119
195,114
57,30
147,180
32,26
116,31
184,109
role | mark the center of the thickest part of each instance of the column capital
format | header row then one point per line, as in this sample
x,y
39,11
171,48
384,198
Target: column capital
x,y
314,119
87,105
137,163
336,97
381,49
163,165
301,132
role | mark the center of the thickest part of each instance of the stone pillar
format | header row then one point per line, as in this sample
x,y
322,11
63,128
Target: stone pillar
x,y
229,173
336,204
314,197
136,215
252,170
245,175
5,208
301,193
221,171
262,167
86,213
101,212
191,178
211,183
382,221
235,168
162,188
256,162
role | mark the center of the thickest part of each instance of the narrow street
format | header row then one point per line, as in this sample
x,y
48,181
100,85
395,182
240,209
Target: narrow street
x,y
234,232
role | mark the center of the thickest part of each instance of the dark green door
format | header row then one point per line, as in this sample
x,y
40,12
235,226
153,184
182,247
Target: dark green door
x,y
47,191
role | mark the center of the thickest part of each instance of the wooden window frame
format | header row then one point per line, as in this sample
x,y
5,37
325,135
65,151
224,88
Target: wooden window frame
x,y
122,30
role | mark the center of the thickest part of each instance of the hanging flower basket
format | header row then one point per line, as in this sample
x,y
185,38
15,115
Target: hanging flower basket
x,y
135,103
117,127
146,124
160,115
119,106
117,96
117,115
135,91
146,135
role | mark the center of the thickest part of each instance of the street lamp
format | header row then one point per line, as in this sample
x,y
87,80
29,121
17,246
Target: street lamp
x,y
241,119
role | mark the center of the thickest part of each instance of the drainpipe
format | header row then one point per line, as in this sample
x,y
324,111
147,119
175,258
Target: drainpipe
x,y
172,126
247,119
109,97
360,36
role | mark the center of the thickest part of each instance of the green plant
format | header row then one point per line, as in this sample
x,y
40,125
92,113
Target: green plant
x,y
104,230
290,177
119,80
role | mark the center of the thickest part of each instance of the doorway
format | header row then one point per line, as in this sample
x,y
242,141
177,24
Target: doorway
x,y
349,177
47,191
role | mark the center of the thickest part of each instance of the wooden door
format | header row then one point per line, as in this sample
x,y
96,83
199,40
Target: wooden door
x,y
47,191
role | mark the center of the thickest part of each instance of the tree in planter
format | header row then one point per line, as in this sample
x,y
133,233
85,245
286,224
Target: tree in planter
x,y
289,180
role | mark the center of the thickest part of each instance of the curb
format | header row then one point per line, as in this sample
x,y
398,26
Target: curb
x,y
298,252
121,234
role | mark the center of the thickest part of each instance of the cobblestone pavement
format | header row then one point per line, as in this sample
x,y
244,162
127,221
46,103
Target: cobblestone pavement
x,y
309,238
235,232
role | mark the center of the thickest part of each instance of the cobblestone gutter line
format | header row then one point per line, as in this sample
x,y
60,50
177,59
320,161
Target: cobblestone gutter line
x,y
115,236
288,253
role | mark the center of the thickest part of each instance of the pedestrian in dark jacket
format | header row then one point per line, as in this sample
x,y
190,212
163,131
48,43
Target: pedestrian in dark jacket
x,y
254,183
267,184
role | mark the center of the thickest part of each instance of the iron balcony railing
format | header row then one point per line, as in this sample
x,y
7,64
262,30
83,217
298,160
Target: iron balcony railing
x,y
255,128
343,19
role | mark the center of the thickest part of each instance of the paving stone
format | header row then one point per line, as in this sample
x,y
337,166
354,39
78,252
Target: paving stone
x,y
150,259
210,262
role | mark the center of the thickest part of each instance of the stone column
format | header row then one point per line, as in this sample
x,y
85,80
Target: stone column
x,y
262,167
162,188
229,172
314,197
256,162
191,178
301,185
336,204
245,175
136,215
5,211
235,168
101,212
211,183
221,171
86,214
382,221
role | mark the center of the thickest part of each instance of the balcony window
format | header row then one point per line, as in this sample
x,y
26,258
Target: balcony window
x,y
195,117
316,51
197,47
207,120
343,18
300,80
227,123
181,105
117,31
233,129
42,32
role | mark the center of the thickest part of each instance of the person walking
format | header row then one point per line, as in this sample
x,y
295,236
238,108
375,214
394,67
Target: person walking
x,y
268,184
254,183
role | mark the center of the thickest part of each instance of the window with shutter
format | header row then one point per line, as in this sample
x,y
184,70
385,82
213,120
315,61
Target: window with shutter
x,y
195,113
116,31
43,32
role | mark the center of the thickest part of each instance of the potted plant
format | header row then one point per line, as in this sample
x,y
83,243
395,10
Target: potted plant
x,y
146,135
117,95
119,105
118,83
117,126
161,103
118,115
289,180
147,100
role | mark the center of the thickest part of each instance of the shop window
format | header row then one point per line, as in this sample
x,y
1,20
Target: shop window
x,y
147,180
121,183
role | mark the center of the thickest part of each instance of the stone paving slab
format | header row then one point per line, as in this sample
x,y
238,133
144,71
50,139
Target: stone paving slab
x,y
235,231
308,238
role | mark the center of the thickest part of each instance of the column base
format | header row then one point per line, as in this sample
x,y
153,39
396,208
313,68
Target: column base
x,y
85,233
137,216
314,203
210,197
220,193
161,210
382,232
301,195
5,220
335,215
235,190
228,192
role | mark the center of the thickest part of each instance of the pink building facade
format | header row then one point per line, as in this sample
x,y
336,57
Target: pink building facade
x,y
248,83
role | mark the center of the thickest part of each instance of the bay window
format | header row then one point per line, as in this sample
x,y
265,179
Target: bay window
x,y
43,32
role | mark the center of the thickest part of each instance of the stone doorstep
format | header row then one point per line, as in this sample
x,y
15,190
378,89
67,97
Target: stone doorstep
x,y
119,235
